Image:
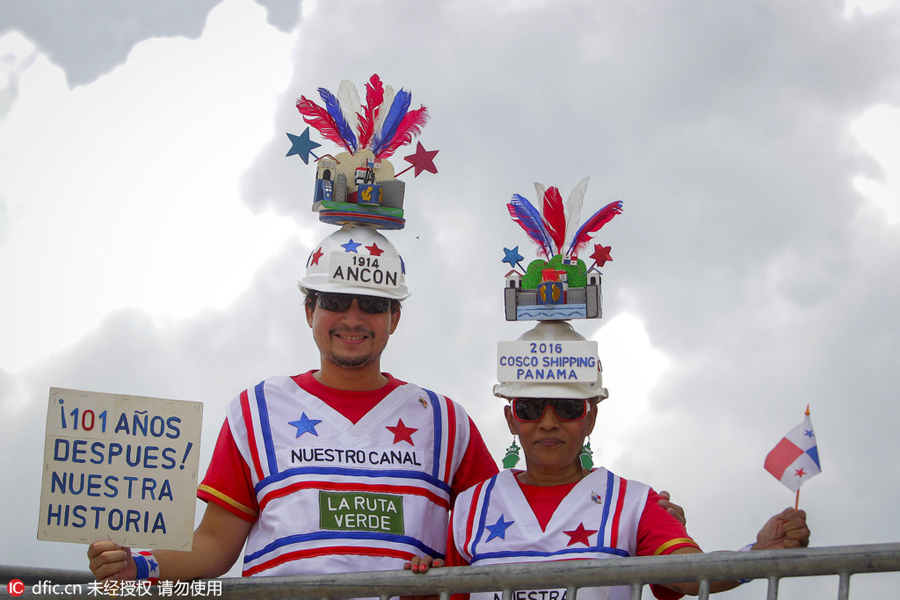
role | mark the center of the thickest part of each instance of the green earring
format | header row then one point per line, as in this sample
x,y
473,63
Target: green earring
x,y
512,455
586,453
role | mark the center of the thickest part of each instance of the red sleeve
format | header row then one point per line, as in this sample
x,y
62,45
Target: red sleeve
x,y
454,559
660,533
477,463
227,481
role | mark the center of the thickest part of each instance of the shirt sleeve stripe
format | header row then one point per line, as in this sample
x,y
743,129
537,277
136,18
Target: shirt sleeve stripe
x,y
676,542
222,498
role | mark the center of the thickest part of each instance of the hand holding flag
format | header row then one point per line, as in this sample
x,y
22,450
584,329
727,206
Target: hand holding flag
x,y
796,457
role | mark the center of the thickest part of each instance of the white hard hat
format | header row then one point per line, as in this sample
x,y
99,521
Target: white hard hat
x,y
356,259
552,331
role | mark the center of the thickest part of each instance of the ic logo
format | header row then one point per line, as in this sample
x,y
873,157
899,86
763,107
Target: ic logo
x,y
15,587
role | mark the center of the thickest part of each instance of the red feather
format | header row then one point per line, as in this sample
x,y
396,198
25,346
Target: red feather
x,y
592,225
411,125
374,98
554,216
318,117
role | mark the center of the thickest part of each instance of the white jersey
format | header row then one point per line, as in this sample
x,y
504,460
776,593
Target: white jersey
x,y
598,519
342,496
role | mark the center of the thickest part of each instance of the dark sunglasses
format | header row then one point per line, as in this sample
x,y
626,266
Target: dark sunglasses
x,y
332,302
532,409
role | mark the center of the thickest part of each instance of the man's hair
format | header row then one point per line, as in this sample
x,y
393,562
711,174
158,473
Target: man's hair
x,y
310,301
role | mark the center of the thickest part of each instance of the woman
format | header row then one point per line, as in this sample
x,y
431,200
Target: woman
x,y
556,509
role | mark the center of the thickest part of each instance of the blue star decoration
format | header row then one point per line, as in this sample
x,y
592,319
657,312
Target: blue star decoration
x,y
498,529
512,256
305,425
302,146
808,433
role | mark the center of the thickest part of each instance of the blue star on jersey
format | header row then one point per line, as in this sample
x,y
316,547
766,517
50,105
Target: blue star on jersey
x,y
498,529
305,425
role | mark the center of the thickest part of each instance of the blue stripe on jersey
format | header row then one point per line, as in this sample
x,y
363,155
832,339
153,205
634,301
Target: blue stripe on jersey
x,y
342,535
535,553
266,427
438,434
607,503
485,504
380,474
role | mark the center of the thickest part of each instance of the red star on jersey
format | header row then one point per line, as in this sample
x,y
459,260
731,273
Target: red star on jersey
x,y
580,535
402,433
374,250
316,256
601,254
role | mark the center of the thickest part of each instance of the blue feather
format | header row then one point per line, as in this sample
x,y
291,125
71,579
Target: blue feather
x,y
525,214
398,110
333,106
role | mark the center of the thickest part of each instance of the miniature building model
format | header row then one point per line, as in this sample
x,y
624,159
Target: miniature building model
x,y
558,286
359,185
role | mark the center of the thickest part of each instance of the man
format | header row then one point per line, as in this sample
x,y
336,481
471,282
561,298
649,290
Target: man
x,y
339,469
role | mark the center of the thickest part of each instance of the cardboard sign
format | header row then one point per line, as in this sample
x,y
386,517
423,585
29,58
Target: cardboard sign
x,y
120,468
568,361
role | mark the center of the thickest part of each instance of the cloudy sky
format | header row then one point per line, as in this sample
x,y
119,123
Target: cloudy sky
x,y
152,230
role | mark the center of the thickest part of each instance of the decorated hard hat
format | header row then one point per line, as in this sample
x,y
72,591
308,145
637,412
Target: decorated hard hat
x,y
551,360
356,259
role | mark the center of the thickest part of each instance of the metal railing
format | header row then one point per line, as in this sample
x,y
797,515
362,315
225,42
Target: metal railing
x,y
772,565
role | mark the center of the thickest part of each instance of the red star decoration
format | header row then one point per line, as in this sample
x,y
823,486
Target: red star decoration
x,y
316,256
601,254
580,535
402,433
374,250
422,160
800,472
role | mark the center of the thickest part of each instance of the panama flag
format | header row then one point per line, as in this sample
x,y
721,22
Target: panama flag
x,y
796,457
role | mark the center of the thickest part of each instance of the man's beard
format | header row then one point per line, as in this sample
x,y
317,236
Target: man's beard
x,y
356,362
351,362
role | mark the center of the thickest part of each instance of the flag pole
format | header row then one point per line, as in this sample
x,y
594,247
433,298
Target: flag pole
x,y
797,500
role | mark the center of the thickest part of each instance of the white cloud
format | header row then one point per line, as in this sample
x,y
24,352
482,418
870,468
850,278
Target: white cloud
x,y
124,192
878,131
867,7
16,54
632,368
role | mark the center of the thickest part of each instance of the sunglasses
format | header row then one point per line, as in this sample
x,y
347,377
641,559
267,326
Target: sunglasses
x,y
532,409
332,302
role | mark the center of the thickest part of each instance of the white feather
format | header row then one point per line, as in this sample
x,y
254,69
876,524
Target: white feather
x,y
573,208
383,109
348,96
541,190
